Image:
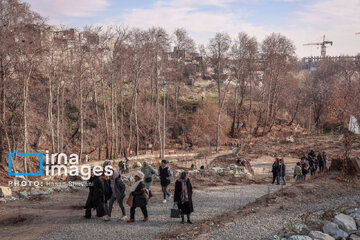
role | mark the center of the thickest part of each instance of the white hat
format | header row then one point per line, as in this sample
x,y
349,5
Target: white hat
x,y
139,174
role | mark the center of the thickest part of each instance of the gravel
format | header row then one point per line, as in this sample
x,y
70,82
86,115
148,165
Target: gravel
x,y
205,203
255,227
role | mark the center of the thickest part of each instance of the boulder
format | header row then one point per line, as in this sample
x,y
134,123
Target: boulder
x,y
316,235
334,230
354,237
5,192
23,194
137,165
346,223
300,229
299,237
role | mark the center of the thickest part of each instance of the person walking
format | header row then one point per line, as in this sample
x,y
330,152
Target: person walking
x,y
321,162
275,169
165,177
139,196
298,172
183,196
281,172
148,171
95,198
117,194
325,160
304,168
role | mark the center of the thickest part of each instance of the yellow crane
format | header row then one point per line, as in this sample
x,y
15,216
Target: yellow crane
x,y
322,44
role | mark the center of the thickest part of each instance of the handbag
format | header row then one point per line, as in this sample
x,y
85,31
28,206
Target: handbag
x,y
175,212
148,179
130,200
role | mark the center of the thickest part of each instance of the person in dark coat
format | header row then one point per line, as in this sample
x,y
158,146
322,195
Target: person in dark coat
x,y
95,198
165,176
281,172
304,168
183,196
140,197
117,188
275,169
321,162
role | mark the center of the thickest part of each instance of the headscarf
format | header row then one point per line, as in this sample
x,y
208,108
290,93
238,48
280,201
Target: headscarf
x,y
135,184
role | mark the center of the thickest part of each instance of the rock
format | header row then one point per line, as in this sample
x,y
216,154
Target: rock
x,y
193,172
299,237
354,237
232,166
137,165
300,229
356,213
276,237
315,223
357,220
290,139
346,223
10,198
334,230
5,192
172,161
316,235
45,191
20,178
23,194
350,211
217,169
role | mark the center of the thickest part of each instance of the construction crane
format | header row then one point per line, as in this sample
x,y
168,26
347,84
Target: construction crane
x,y
322,44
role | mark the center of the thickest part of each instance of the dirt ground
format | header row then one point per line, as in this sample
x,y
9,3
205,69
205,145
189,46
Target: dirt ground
x,y
299,194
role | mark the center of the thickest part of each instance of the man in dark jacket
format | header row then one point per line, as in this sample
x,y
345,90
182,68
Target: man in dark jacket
x,y
95,198
183,196
281,172
117,193
165,177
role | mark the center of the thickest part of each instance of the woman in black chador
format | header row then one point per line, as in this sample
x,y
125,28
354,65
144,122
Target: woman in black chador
x,y
183,196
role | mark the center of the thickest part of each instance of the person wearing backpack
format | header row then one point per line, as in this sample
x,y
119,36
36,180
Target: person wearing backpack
x,y
165,177
117,187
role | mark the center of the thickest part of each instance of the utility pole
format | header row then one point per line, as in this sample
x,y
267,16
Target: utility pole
x,y
164,115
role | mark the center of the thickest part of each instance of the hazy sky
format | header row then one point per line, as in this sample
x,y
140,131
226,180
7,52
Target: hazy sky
x,y
303,21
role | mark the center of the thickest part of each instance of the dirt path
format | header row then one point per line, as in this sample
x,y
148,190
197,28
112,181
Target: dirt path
x,y
59,216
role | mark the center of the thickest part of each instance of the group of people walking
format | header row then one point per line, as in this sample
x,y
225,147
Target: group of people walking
x,y
312,164
105,191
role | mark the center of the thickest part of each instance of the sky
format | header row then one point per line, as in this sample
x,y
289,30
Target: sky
x,y
302,21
